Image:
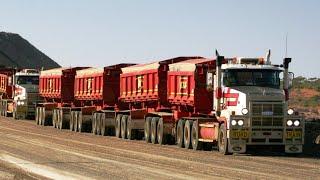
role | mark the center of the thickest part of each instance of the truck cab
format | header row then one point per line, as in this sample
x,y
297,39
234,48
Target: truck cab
x,y
26,93
252,100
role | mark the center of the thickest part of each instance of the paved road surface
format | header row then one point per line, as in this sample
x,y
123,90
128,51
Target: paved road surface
x,y
28,151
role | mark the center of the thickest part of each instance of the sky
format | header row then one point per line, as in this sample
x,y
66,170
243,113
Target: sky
x,y
98,33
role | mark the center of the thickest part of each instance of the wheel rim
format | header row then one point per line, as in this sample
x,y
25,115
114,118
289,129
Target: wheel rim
x,y
160,132
221,141
118,125
71,122
128,129
80,122
187,135
93,124
103,125
123,127
75,121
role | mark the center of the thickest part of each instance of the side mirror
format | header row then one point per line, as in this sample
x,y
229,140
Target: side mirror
x,y
290,77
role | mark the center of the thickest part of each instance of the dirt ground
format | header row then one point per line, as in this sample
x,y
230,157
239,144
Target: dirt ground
x,y
28,151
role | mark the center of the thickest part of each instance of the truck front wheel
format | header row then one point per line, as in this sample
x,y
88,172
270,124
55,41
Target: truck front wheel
x,y
223,140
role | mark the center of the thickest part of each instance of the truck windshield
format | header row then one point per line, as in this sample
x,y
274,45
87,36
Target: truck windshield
x,y
27,80
251,77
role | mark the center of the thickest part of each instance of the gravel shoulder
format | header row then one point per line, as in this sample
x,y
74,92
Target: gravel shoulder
x,y
46,152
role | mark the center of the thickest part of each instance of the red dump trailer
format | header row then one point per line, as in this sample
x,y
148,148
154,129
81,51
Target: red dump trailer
x,y
56,87
96,92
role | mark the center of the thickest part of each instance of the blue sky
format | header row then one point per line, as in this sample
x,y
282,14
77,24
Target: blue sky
x,y
99,33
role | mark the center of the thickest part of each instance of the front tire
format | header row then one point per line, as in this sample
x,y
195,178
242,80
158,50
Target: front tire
x,y
223,140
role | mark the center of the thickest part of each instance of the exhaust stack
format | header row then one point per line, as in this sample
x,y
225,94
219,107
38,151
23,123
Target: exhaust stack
x,y
218,93
286,62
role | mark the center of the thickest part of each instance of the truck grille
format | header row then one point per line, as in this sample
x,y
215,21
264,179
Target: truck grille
x,y
267,113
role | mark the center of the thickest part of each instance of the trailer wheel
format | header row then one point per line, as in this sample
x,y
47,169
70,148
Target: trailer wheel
x,y
103,124
180,133
223,140
54,118
98,123
44,122
154,125
41,116
187,134
75,121
71,121
60,119
147,128
94,123
118,125
80,121
160,136
124,126
196,144
130,131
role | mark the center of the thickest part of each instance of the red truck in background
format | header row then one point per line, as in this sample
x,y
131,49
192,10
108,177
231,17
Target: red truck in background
x,y
19,92
232,103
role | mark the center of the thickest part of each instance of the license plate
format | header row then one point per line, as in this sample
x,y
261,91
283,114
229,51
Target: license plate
x,y
294,134
240,134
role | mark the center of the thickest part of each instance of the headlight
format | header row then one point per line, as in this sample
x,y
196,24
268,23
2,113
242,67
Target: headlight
x,y
240,122
22,103
296,123
290,111
233,122
19,103
289,122
244,111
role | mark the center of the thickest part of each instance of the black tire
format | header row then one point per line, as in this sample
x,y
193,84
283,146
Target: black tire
x,y
154,123
124,127
41,116
223,140
180,133
130,131
36,116
103,124
44,121
75,121
118,125
196,144
14,114
54,118
147,129
187,134
94,123
98,123
160,136
80,122
71,121
60,119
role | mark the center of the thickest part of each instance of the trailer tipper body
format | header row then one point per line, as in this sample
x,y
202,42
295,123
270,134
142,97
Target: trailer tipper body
x,y
233,103
56,87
